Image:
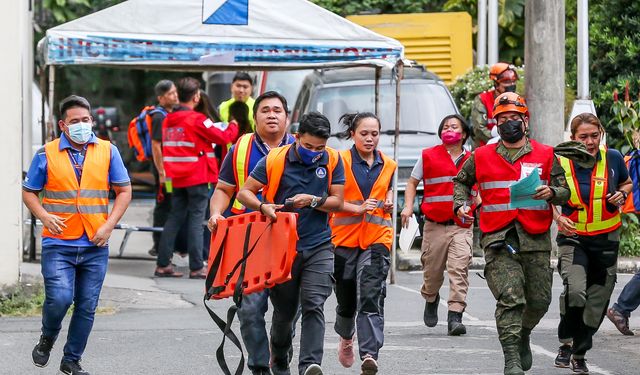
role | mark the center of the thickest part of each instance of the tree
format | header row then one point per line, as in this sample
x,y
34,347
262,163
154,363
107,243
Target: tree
x,y
350,7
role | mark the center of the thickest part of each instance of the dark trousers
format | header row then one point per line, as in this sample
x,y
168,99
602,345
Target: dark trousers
x,y
310,286
72,275
629,299
161,214
253,330
187,204
361,288
587,265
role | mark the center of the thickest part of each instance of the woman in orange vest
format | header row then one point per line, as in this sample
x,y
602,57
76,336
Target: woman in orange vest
x,y
588,240
362,234
447,240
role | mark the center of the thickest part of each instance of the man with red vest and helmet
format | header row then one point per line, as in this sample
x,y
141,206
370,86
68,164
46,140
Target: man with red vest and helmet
x,y
588,240
447,240
312,187
74,174
190,163
504,77
270,115
516,241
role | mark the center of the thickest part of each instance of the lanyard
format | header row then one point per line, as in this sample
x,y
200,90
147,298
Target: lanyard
x,y
77,167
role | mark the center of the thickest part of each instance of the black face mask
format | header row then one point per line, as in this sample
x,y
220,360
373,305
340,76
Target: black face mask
x,y
510,88
511,131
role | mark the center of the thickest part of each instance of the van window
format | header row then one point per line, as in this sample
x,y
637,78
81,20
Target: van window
x,y
422,105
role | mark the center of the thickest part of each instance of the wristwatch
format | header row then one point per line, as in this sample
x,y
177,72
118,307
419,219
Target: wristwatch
x,y
314,202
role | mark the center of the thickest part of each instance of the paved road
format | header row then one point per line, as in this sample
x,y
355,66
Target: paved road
x,y
160,327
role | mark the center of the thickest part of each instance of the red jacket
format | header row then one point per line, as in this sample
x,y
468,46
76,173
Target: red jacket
x,y
438,171
494,175
187,152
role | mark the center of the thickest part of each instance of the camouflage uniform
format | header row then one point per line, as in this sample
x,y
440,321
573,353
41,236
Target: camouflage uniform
x,y
481,132
521,283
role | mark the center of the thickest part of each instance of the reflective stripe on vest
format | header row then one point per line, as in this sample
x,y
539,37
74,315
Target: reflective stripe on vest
x,y
592,218
180,159
83,205
438,180
241,156
178,144
358,219
438,198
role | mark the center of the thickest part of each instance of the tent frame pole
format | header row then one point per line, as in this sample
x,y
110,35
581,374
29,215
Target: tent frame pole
x,y
52,86
396,157
377,90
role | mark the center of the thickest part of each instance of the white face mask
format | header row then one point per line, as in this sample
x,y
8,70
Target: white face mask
x,y
80,132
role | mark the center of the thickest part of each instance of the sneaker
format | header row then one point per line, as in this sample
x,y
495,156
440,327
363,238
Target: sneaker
x,y
430,316
579,366
260,371
369,366
42,350
345,352
564,356
72,368
313,370
620,321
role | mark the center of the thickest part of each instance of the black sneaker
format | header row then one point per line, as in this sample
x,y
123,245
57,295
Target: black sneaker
x,y
430,316
564,356
579,366
72,368
42,350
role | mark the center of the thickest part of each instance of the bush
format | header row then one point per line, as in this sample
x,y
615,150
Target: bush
x,y
23,300
629,240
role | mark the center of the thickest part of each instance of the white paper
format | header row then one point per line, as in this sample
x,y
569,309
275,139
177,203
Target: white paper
x,y
409,234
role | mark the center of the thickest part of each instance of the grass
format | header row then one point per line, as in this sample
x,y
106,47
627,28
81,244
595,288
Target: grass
x,y
26,300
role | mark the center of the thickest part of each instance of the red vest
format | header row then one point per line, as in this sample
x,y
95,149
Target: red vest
x,y
188,158
488,98
438,171
494,175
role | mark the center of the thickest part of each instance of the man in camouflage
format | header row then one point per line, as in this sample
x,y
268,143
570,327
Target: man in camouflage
x,y
516,242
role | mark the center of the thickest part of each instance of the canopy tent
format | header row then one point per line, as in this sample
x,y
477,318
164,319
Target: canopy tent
x,y
216,34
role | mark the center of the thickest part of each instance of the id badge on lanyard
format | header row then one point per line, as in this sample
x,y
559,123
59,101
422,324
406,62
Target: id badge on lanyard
x,y
77,167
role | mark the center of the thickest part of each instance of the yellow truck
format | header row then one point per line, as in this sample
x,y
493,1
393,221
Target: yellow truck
x,y
440,41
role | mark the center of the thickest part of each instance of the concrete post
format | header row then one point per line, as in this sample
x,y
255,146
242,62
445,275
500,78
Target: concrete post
x,y
481,45
11,17
493,55
544,64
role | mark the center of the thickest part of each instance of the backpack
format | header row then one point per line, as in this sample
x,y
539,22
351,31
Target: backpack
x,y
632,204
139,133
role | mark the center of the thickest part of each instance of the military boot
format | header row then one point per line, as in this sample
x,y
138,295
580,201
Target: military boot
x,y
430,316
512,364
456,328
526,359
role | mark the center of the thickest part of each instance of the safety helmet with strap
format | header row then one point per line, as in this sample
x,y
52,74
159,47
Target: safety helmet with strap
x,y
510,102
503,72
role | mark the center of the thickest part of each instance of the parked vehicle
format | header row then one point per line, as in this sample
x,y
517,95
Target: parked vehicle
x,y
425,100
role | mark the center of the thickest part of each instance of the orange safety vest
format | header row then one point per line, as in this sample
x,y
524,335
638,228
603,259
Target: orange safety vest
x,y
495,174
591,217
83,206
438,171
488,98
275,168
354,230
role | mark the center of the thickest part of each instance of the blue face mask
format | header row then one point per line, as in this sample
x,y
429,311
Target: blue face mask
x,y
309,157
80,132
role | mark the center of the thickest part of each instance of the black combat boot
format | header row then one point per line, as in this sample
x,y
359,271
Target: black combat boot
x,y
526,359
512,364
431,312
456,328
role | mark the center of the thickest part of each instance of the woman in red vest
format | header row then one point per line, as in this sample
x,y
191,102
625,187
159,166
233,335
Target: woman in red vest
x,y
588,240
363,233
447,240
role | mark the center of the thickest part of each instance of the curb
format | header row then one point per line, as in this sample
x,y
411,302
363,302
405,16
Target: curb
x,y
410,261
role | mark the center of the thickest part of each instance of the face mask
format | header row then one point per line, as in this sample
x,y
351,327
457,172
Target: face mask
x,y
309,157
510,88
511,131
451,137
80,132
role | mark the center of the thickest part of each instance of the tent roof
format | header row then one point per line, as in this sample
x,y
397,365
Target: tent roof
x,y
216,34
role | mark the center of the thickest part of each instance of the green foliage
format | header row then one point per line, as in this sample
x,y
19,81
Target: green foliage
x,y
350,7
510,22
625,123
66,10
629,239
475,81
23,300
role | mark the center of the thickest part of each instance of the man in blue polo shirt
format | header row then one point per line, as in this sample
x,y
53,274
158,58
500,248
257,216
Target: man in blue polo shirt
x,y
312,186
77,226
270,115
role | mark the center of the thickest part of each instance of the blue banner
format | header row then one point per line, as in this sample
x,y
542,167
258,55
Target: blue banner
x,y
101,49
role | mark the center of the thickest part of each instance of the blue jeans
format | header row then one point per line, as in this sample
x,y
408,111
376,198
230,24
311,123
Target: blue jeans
x,y
253,329
72,274
629,298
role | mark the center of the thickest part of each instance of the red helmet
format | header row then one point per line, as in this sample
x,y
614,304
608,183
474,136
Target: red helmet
x,y
503,72
510,102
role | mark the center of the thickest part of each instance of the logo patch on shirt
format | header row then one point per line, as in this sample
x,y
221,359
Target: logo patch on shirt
x,y
321,172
